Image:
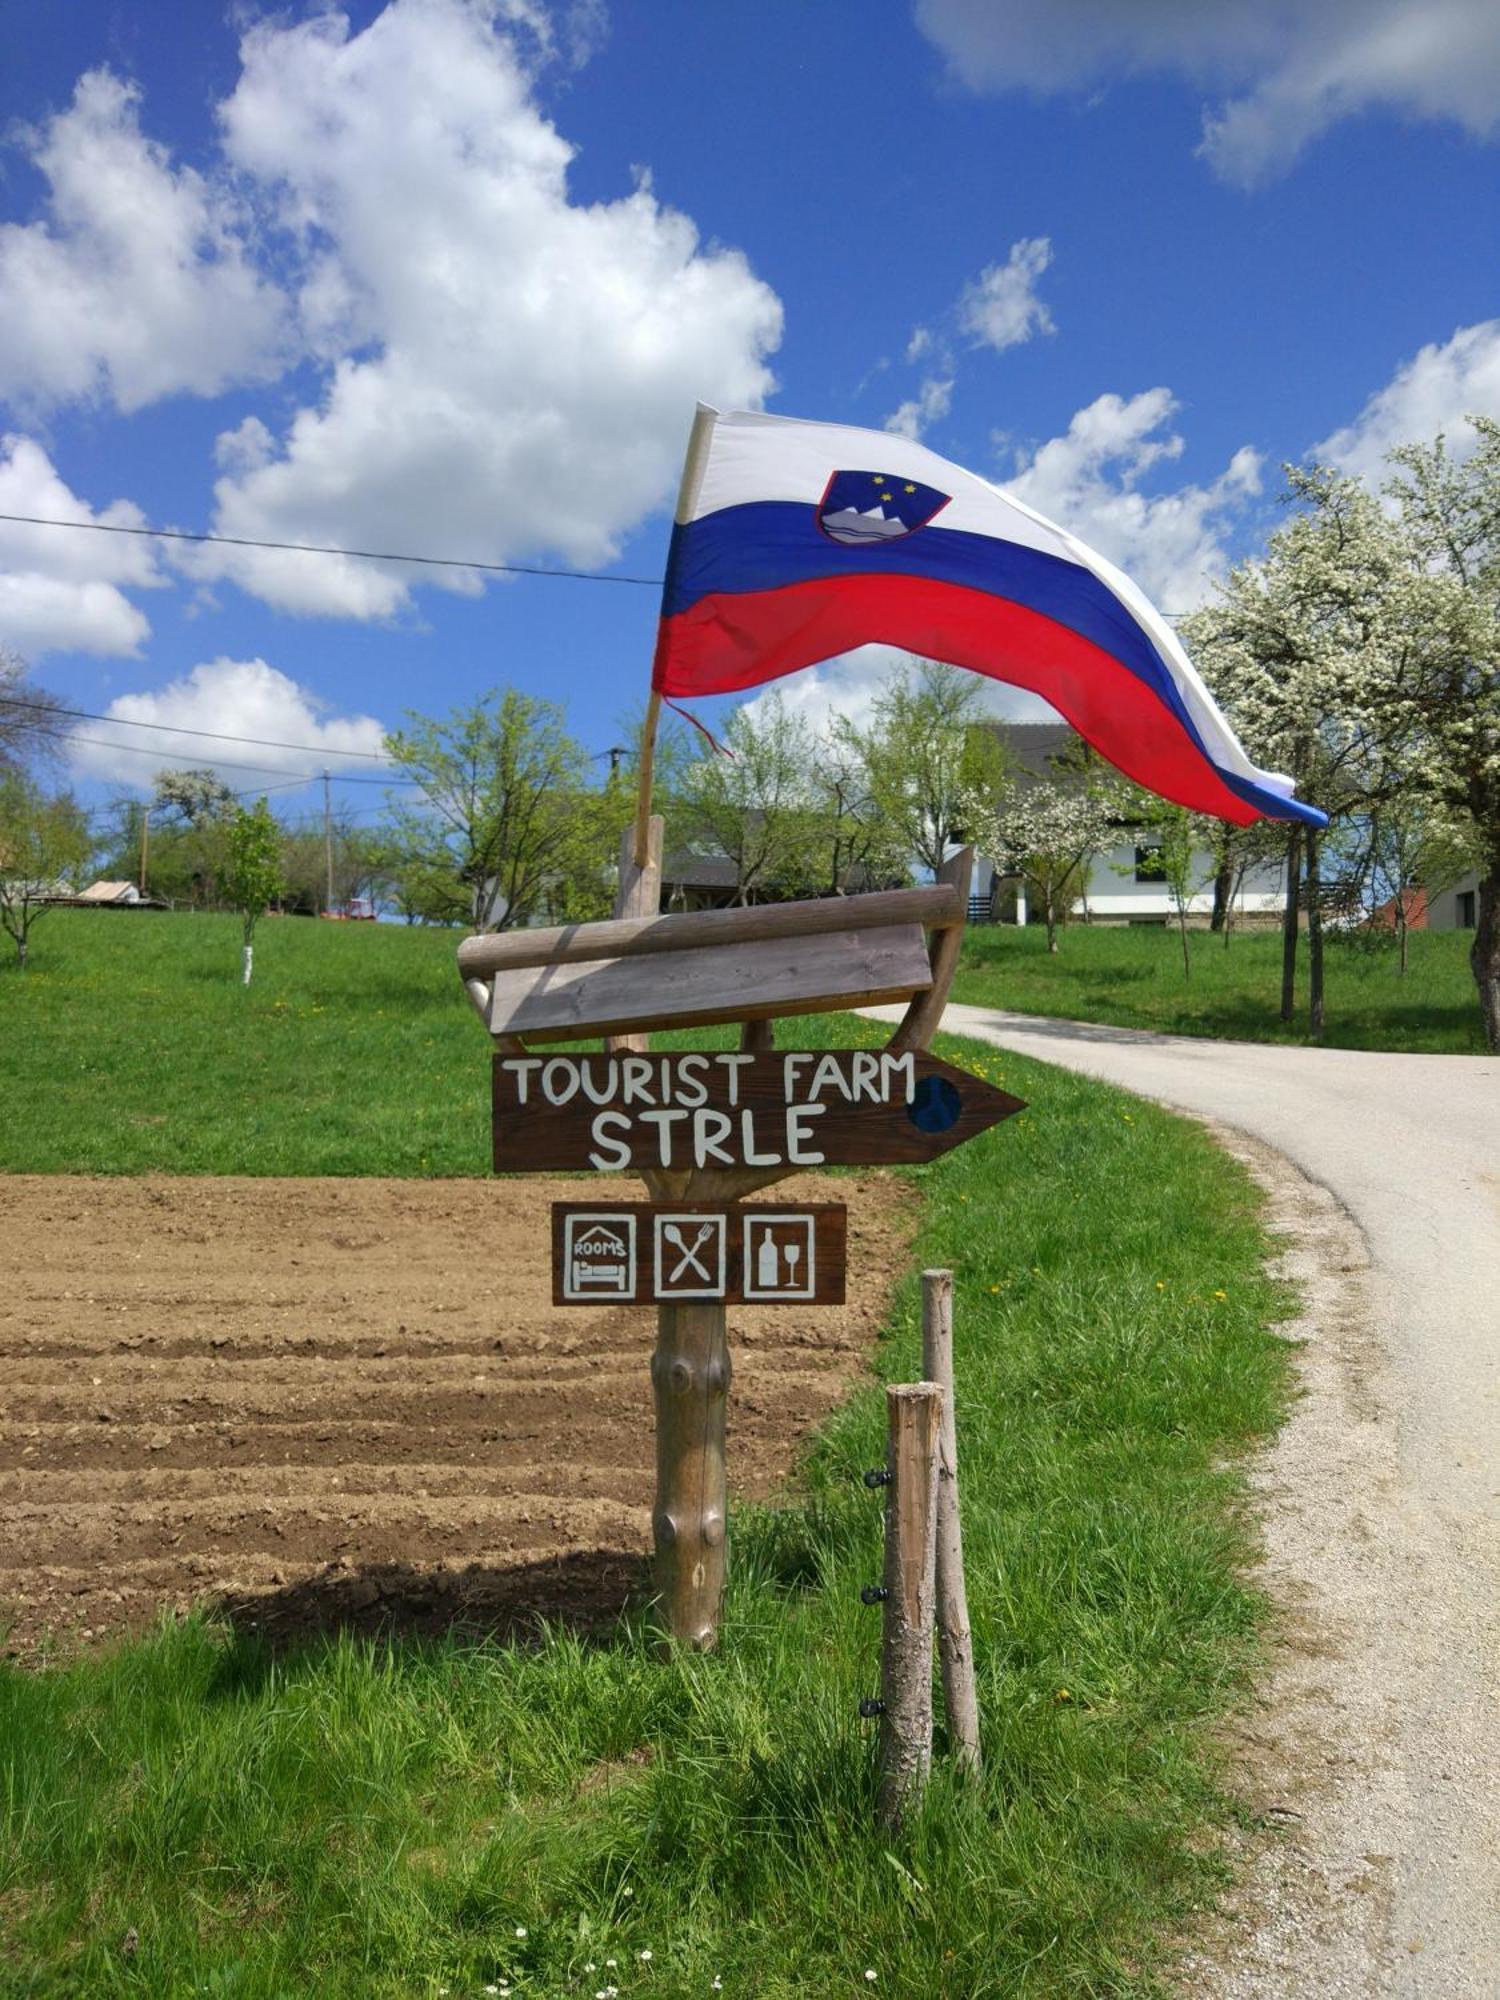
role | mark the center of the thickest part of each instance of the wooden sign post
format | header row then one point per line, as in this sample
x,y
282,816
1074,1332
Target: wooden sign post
x,y
704,1130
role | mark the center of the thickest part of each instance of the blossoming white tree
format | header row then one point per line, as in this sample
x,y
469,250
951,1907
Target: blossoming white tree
x,y
1447,708
1050,830
1304,651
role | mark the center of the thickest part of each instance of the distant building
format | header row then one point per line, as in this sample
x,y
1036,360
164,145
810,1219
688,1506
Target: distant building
x,y
1125,884
1457,908
111,893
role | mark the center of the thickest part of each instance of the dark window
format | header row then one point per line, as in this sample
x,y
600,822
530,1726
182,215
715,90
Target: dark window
x,y
1148,865
1467,914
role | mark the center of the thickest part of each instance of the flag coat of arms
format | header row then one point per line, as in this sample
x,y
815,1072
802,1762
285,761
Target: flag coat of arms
x,y
796,541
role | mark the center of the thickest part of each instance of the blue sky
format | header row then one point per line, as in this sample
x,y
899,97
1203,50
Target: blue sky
x,y
448,277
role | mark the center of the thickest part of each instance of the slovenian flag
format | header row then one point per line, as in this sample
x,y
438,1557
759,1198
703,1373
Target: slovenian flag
x,y
796,541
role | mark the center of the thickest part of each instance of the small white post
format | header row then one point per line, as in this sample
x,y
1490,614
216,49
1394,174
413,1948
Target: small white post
x,y
955,1643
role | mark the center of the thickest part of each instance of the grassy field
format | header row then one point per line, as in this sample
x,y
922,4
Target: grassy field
x,y
132,1047
1133,978
197,1814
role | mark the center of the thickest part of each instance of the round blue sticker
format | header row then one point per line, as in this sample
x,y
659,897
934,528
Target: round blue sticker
x,y
935,1105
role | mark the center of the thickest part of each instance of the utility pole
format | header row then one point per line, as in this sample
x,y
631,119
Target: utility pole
x,y
145,840
328,841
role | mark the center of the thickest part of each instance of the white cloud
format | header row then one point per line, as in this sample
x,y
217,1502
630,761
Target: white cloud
x,y
849,685
237,698
61,591
511,373
1297,69
1088,480
136,284
1434,391
928,406
1001,309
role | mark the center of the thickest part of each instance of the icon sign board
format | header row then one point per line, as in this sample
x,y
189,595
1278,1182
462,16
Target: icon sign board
x,y
635,1113
598,1259
645,1253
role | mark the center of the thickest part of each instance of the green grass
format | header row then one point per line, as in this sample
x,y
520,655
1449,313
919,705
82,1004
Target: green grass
x,y
131,1047
383,1819
1132,978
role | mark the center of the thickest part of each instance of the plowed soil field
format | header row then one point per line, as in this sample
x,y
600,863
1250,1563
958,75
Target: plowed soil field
x,y
324,1402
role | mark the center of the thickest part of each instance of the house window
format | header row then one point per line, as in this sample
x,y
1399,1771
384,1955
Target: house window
x,y
1148,864
1467,917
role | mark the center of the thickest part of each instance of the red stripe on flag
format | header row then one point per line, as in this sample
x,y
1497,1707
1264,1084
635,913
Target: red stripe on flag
x,y
736,640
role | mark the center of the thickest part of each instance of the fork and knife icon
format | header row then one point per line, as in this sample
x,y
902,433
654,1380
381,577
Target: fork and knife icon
x,y
690,1257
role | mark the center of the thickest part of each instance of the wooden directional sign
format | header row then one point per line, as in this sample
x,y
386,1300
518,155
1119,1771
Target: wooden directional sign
x,y
789,1108
639,1253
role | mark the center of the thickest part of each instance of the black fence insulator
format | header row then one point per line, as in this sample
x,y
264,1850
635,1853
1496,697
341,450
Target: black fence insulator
x,y
874,1593
877,1476
870,1707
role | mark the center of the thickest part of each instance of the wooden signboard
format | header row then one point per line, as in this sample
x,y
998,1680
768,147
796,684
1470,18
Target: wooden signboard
x,y
682,1253
794,1108
650,971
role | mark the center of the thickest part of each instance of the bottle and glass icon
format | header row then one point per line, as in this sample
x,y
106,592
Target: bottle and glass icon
x,y
778,1257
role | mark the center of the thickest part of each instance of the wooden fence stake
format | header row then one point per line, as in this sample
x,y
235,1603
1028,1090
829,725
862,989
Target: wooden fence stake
x,y
955,1645
913,1423
690,1375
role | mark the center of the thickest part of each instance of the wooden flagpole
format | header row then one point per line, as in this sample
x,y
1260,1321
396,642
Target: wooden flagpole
x,y
687,499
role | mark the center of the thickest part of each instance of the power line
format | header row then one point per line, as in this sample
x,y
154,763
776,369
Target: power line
x,y
322,549
53,711
226,763
179,729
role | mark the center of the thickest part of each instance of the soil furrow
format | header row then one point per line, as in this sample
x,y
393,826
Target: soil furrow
x,y
313,1403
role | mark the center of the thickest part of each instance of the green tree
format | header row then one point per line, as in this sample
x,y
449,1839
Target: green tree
x,y
1179,839
252,871
44,844
500,782
190,812
758,804
924,752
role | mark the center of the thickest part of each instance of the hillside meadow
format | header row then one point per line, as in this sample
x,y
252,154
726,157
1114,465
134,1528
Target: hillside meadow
x,y
199,1810
1131,976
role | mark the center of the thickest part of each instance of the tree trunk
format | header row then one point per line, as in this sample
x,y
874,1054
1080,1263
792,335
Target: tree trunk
x,y
1314,938
1182,932
247,961
1223,894
21,950
690,1376
1402,929
1049,906
1289,925
1484,957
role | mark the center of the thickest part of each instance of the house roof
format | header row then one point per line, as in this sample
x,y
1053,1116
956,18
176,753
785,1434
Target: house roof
x,y
700,871
108,892
1033,745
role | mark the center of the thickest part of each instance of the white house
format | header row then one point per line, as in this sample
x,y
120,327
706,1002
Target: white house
x,y
1124,885
1455,908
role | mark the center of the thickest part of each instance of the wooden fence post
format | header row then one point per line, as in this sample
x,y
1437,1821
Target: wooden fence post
x,y
689,1370
913,1422
690,1377
955,1644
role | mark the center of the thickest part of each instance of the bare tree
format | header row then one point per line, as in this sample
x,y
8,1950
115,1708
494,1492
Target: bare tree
x,y
33,722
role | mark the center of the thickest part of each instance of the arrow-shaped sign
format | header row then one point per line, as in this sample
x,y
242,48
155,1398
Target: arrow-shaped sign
x,y
791,1108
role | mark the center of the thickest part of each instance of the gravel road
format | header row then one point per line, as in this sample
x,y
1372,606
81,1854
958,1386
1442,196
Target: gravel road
x,y
1378,1745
